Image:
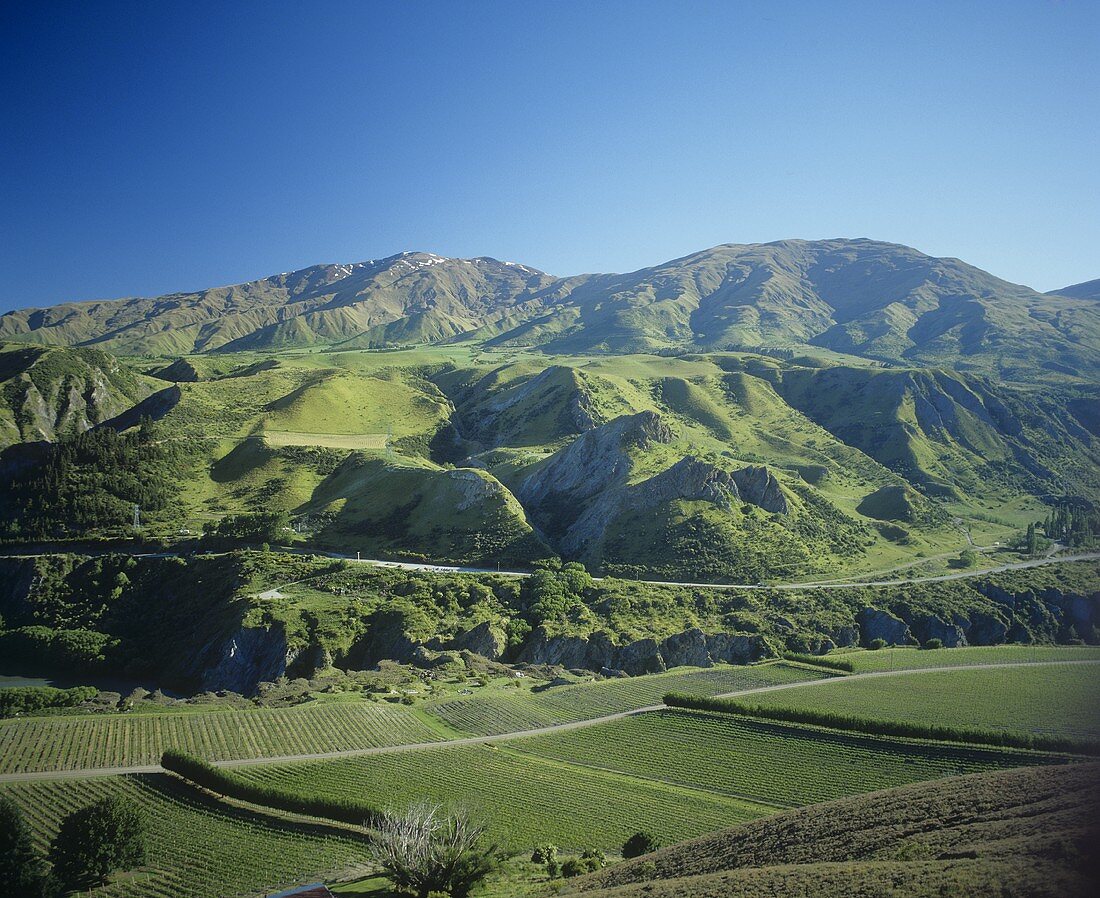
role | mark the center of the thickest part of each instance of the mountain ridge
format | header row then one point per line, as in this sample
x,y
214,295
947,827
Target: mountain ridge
x,y
859,297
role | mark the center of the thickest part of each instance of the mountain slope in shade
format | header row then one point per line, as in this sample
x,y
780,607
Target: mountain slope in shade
x,y
859,297
1086,290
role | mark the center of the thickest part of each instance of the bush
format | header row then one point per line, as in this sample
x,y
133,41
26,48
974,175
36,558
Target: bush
x,y
92,842
933,643
426,850
640,843
28,699
572,867
877,644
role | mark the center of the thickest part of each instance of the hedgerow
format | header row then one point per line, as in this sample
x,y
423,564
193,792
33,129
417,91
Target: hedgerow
x,y
204,774
901,728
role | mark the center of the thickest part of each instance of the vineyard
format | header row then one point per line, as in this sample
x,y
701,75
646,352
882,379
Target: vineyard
x,y
500,712
1055,700
777,764
196,848
524,799
910,658
74,743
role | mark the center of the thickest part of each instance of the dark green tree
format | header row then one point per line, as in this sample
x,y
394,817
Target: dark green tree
x,y
96,840
640,843
22,871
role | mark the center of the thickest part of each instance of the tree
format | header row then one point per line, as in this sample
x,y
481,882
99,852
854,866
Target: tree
x,y
21,869
640,843
548,855
425,849
1032,540
98,839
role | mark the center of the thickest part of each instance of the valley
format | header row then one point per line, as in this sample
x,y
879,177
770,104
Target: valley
x,y
768,536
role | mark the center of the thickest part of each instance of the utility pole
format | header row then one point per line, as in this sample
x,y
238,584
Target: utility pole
x,y
137,516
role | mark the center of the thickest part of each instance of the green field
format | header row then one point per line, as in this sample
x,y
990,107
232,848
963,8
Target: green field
x,y
778,764
197,848
1057,700
524,799
74,743
903,658
509,711
673,772
279,438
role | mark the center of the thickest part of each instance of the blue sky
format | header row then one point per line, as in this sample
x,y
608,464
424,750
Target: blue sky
x,y
152,147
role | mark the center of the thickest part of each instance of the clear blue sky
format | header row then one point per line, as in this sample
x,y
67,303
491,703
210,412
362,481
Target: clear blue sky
x,y
151,146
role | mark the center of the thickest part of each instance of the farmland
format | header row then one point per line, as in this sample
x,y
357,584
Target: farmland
x,y
504,712
673,772
196,848
1056,699
525,799
904,658
777,764
74,743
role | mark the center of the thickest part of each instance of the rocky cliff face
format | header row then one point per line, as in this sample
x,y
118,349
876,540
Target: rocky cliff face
x,y
579,492
598,652
243,660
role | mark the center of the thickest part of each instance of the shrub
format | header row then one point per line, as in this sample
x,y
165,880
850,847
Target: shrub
x,y
877,644
28,699
426,850
573,866
640,843
933,643
102,837
593,859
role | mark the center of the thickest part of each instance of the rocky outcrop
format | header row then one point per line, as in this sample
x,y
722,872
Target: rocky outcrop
x,y
576,495
929,626
874,623
595,461
759,486
484,639
242,661
597,652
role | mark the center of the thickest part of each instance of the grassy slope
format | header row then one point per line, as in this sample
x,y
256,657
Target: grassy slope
x,y
1019,832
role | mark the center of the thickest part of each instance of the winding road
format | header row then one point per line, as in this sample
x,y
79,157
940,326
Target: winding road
x,y
522,734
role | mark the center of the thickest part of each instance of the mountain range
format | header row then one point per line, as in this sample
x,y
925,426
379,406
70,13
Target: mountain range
x,y
861,297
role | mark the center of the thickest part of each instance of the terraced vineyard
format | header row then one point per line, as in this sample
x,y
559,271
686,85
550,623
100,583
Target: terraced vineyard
x,y
195,848
503,712
1059,699
74,743
524,799
779,764
908,658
